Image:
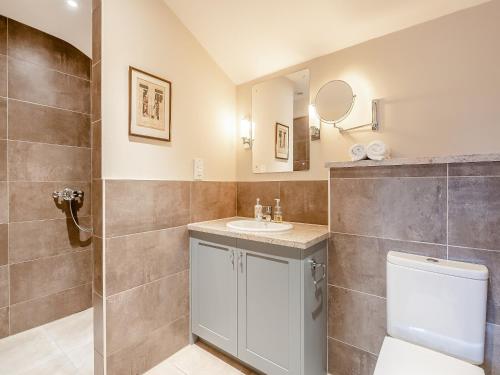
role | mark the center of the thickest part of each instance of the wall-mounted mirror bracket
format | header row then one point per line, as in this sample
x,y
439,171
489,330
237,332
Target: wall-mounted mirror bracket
x,y
374,124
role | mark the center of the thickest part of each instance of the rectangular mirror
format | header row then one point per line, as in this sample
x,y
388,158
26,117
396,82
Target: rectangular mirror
x,y
280,117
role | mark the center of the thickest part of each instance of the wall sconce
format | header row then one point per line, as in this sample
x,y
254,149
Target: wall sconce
x,y
314,124
246,132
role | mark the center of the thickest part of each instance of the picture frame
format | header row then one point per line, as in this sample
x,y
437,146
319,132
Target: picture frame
x,y
281,142
150,106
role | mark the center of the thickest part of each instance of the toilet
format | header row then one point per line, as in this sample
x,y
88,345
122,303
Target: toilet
x,y
436,317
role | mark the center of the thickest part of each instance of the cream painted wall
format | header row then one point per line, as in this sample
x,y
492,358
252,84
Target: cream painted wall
x,y
439,85
148,36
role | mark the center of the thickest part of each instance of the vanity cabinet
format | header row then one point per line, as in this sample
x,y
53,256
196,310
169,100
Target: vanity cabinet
x,y
258,302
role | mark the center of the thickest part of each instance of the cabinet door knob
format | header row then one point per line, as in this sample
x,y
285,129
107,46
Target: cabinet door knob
x,y
231,256
314,267
240,260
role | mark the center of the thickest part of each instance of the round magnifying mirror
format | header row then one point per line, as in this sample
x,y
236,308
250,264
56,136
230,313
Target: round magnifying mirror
x,y
334,101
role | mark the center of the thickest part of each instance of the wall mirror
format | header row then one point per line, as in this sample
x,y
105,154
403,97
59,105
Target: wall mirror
x,y
334,101
280,117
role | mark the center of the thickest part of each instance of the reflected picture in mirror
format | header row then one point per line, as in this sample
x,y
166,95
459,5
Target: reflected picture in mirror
x,y
280,106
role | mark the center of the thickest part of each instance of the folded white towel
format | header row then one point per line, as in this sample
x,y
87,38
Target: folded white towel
x,y
377,150
357,152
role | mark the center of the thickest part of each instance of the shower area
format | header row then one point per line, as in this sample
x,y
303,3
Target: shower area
x,y
46,253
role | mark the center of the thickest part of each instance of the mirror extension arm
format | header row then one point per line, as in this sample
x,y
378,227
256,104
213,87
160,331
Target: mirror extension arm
x,y
374,124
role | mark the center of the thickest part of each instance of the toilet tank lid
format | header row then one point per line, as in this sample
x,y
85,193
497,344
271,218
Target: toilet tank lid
x,y
446,267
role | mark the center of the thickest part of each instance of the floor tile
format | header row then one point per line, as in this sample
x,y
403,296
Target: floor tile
x,y
58,365
165,368
71,332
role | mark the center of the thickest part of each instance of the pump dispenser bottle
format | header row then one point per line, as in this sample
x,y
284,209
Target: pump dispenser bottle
x,y
258,210
278,212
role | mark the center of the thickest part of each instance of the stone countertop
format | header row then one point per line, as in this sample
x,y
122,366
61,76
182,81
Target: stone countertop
x,y
302,236
476,158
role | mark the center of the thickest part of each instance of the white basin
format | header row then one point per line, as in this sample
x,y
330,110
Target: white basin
x,y
258,226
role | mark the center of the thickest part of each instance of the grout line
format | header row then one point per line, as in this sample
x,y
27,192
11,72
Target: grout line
x,y
7,176
49,295
41,220
352,346
48,144
388,238
356,291
476,248
387,177
104,281
54,181
49,106
149,231
51,256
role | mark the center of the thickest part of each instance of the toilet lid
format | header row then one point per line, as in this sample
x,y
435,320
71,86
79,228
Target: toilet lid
x,y
399,357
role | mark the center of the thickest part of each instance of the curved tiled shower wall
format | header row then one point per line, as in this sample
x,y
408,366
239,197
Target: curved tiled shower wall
x,y
45,263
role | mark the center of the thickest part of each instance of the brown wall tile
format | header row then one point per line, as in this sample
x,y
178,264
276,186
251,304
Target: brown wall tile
x,y
96,150
4,286
96,34
24,206
3,160
36,123
4,203
4,322
134,206
3,118
96,92
133,315
212,200
359,263
141,258
153,349
356,318
97,243
39,311
35,46
422,170
3,35
98,323
37,239
42,162
399,208
4,244
305,201
492,352
474,207
38,278
248,192
475,169
97,202
348,360
490,259
35,84
3,76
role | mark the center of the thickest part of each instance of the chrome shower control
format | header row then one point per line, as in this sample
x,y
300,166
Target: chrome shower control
x,y
67,194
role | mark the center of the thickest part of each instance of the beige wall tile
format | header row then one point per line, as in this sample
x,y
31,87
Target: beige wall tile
x,y
4,244
96,92
4,203
3,160
305,201
96,33
39,85
212,200
474,207
98,323
43,162
98,269
474,169
490,259
134,206
24,209
357,319
492,352
4,286
3,35
37,239
423,170
30,44
38,278
42,310
144,257
96,150
4,322
3,76
36,123
97,207
150,351
359,263
133,315
347,360
248,192
398,208
3,118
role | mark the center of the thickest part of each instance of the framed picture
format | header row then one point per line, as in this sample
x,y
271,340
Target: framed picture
x,y
282,141
150,99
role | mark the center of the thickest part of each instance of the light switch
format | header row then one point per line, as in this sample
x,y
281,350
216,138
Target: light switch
x,y
198,170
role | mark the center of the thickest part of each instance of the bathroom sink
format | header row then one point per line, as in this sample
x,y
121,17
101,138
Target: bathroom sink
x,y
258,226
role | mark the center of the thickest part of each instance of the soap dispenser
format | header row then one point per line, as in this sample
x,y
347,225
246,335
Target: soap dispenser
x,y
278,212
258,210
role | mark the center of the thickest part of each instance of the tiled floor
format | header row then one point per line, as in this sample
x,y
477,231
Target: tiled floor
x,y
62,347
194,360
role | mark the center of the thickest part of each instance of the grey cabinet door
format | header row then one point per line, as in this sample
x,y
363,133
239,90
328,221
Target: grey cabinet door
x,y
214,294
269,312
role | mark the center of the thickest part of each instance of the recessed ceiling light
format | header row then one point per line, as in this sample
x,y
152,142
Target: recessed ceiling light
x,y
72,3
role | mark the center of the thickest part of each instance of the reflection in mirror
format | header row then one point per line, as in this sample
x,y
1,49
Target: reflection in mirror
x,y
280,116
334,101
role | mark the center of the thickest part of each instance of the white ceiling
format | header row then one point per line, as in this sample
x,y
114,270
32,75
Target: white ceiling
x,y
252,38
55,17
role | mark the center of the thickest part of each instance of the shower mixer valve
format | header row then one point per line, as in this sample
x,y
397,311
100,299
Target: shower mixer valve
x,y
67,194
